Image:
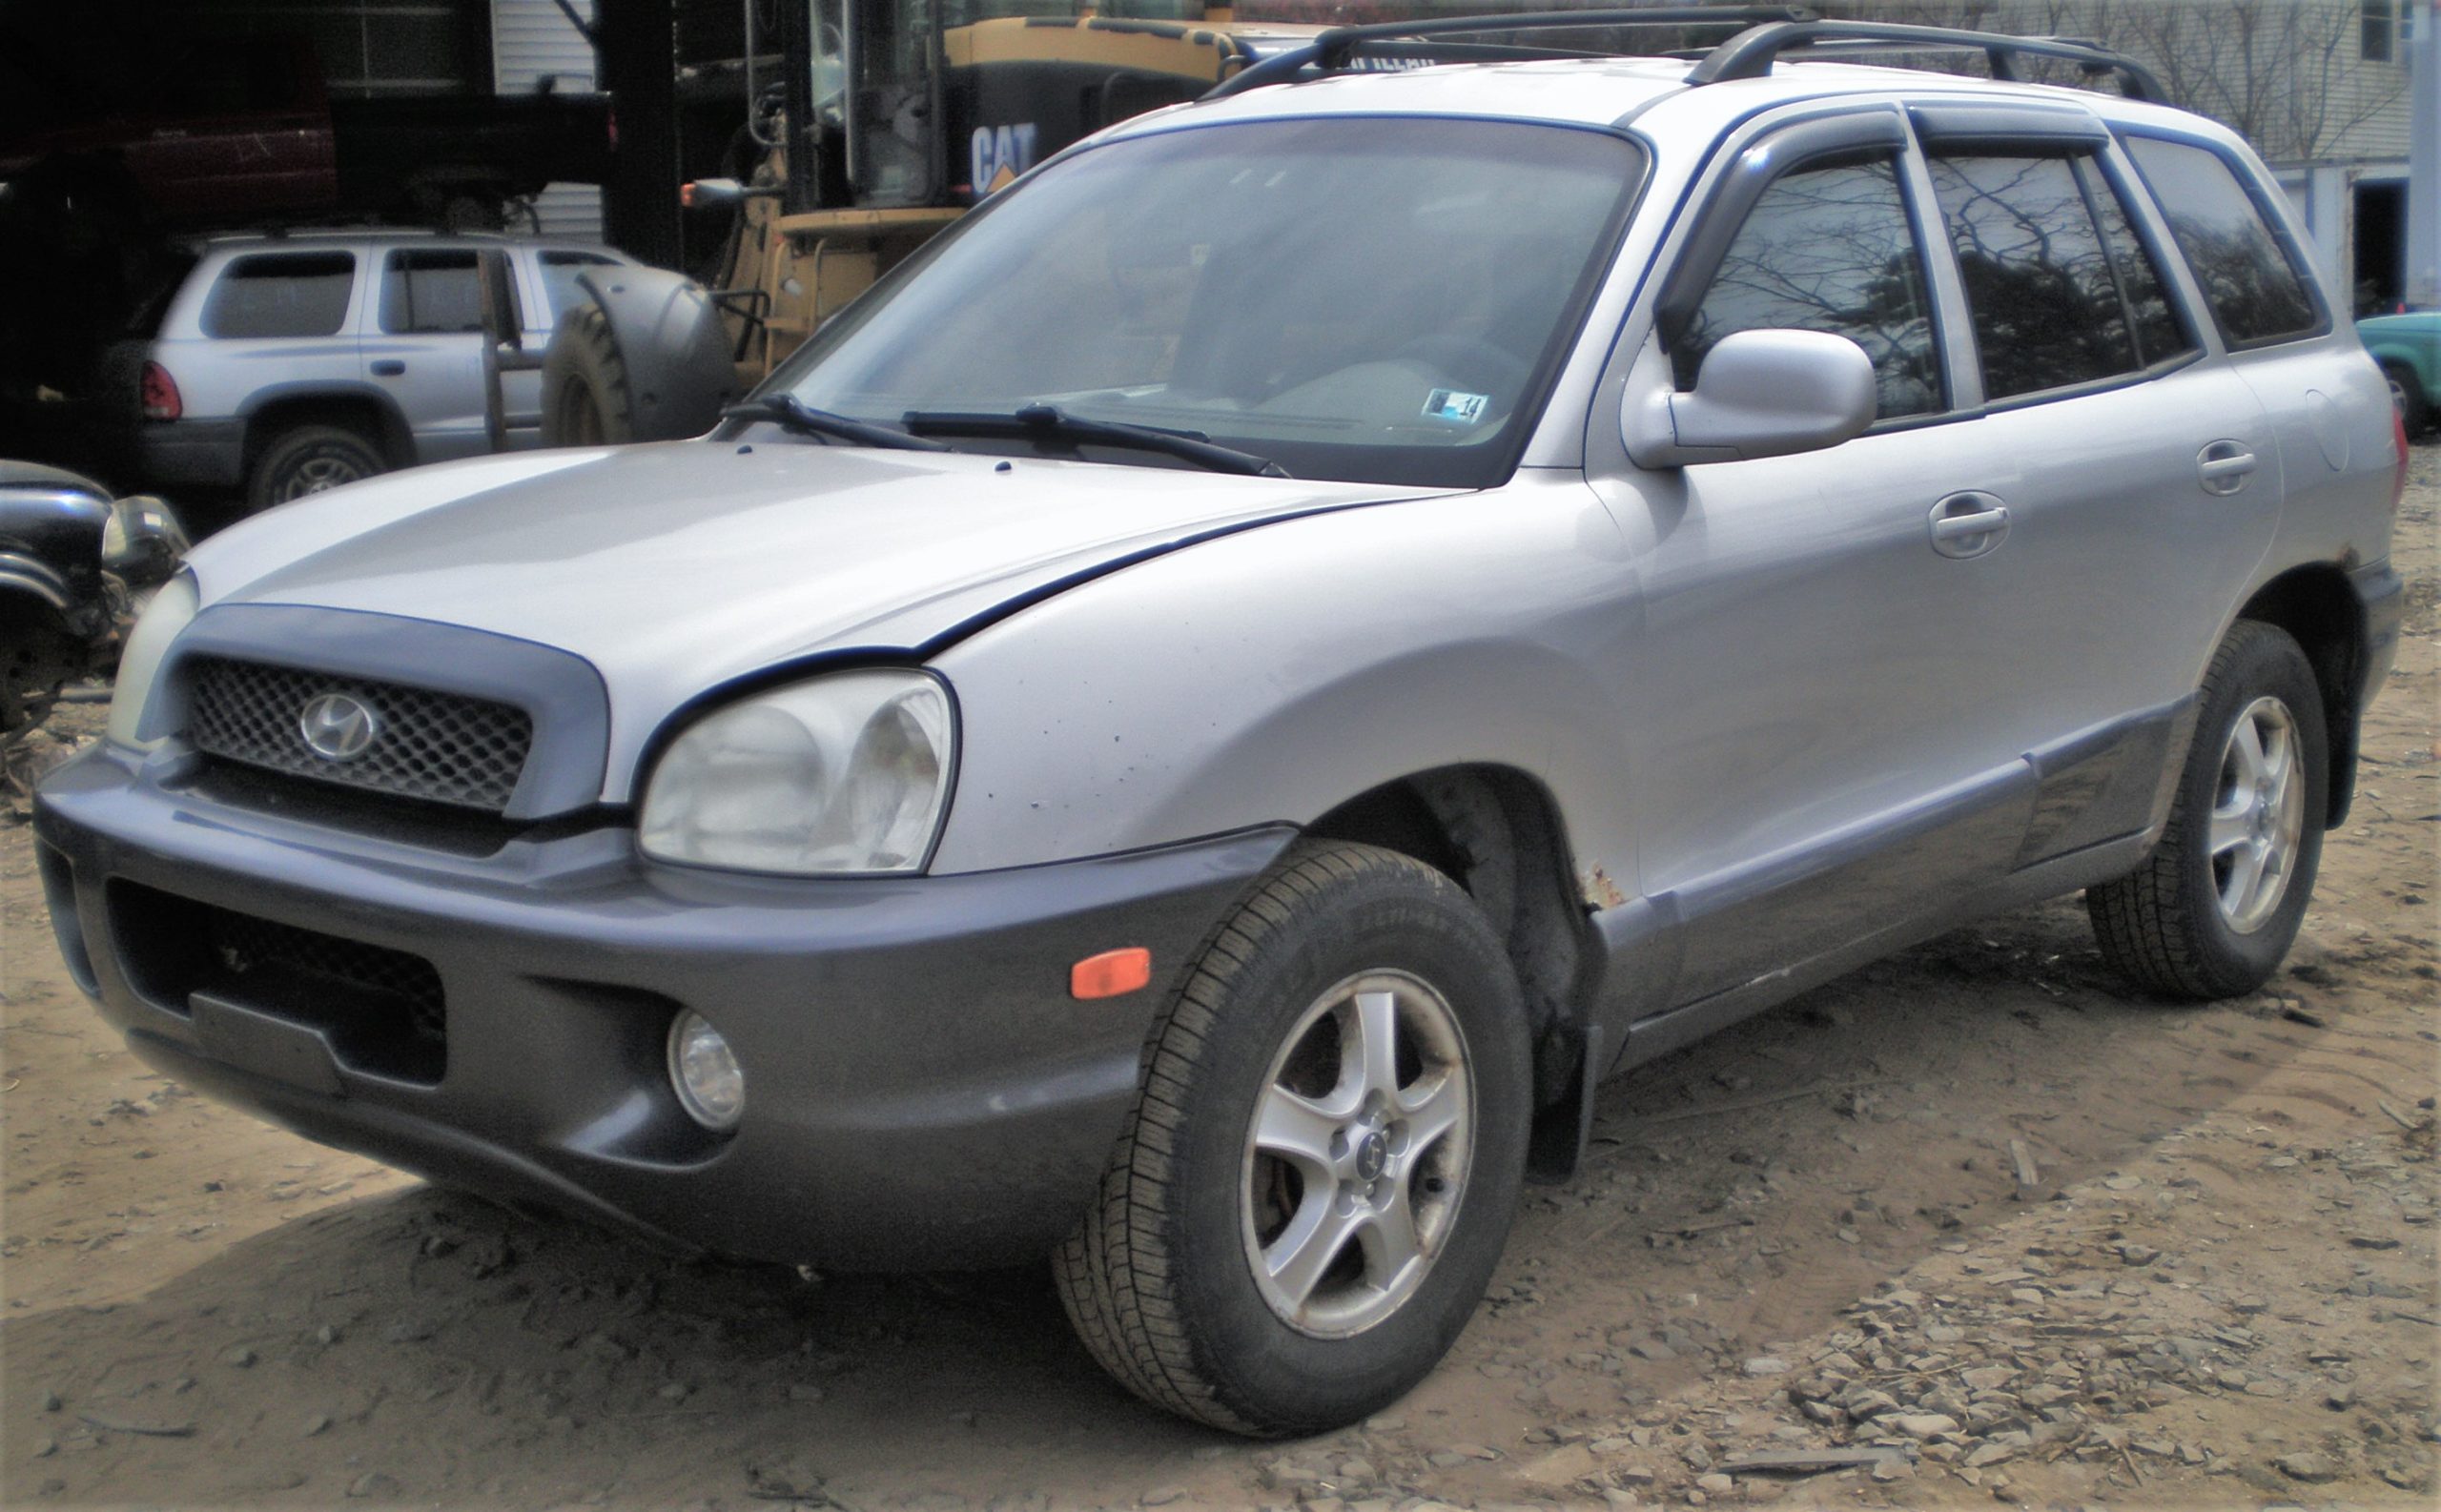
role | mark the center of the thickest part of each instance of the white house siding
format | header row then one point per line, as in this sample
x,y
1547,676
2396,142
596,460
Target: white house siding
x,y
531,41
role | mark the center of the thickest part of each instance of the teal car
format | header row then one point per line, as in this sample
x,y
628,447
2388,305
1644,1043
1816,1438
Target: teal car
x,y
2409,348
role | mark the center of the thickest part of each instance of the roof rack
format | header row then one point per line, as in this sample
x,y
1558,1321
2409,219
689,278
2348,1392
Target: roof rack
x,y
1750,54
1335,48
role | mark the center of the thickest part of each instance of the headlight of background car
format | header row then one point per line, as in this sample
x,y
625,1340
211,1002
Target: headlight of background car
x,y
844,773
140,661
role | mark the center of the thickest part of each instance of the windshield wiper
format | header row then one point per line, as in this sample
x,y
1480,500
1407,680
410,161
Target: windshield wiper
x,y
790,411
1048,422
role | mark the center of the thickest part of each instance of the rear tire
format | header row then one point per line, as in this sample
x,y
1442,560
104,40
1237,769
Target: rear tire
x,y
2216,907
585,397
1321,1168
2407,395
309,459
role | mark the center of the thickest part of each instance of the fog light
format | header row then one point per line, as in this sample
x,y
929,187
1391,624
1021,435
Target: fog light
x,y
703,1070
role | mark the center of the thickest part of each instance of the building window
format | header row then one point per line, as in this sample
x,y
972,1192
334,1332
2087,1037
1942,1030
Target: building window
x,y
2377,39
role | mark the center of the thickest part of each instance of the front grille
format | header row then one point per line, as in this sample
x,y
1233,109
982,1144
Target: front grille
x,y
383,1009
444,747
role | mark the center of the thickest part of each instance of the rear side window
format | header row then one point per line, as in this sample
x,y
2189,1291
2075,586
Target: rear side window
x,y
2256,291
2062,293
559,278
286,293
434,291
1829,248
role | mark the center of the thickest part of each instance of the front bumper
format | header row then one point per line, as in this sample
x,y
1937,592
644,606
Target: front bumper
x,y
922,1090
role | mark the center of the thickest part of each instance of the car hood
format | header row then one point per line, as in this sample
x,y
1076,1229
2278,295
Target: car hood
x,y
673,569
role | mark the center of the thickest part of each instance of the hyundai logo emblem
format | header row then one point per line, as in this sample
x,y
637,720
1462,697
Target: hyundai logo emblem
x,y
338,727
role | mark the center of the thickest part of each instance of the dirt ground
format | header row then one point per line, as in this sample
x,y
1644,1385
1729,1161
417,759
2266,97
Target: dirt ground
x,y
1810,1232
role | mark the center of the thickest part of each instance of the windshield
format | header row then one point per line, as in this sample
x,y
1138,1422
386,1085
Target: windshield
x,y
1375,298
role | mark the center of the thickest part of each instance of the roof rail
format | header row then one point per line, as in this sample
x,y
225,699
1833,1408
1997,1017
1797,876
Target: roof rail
x,y
1749,55
1333,50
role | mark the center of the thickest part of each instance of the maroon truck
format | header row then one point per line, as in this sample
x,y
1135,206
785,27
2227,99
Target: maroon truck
x,y
241,132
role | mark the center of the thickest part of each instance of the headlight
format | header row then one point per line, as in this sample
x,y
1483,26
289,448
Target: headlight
x,y
139,661
848,774
142,540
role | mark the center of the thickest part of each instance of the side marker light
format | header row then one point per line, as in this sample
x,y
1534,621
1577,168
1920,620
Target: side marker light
x,y
1111,973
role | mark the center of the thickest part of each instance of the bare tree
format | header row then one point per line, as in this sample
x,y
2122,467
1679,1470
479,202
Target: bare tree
x,y
2284,73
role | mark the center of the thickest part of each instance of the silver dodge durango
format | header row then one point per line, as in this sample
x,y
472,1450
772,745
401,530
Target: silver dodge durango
x,y
1187,729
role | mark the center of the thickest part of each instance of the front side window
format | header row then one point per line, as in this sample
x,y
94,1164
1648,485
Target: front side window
x,y
2257,293
2050,304
298,293
1370,298
431,292
1831,249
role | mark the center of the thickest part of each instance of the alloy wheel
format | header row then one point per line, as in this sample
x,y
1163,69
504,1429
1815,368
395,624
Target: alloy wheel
x,y
1356,1154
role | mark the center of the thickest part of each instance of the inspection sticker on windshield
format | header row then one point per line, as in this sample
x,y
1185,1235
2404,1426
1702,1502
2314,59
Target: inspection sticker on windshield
x,y
1455,407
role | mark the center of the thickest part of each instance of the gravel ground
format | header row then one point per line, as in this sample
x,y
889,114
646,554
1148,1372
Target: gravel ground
x,y
1973,1226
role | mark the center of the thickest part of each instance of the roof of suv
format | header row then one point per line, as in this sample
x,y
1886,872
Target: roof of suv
x,y
1606,91
380,236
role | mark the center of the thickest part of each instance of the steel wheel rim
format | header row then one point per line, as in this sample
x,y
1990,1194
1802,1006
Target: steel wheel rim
x,y
318,475
2398,394
2258,816
1356,1154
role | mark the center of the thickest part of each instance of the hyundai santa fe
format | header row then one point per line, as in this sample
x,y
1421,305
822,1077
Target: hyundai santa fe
x,y
1187,731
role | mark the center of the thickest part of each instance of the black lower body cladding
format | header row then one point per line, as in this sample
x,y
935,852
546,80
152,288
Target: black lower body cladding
x,y
922,1089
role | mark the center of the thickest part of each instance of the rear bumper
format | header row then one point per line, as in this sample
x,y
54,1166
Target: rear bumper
x,y
211,451
921,1089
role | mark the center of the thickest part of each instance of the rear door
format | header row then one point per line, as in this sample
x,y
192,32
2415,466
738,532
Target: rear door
x,y
2147,481
2333,441
424,347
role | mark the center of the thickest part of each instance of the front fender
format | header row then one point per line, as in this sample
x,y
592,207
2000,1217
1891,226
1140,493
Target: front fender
x,y
1271,675
26,580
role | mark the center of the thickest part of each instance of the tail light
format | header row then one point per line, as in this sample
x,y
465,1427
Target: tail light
x,y
158,394
2398,436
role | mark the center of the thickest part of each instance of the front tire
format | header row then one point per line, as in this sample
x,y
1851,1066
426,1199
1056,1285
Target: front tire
x,y
2216,907
1322,1169
309,459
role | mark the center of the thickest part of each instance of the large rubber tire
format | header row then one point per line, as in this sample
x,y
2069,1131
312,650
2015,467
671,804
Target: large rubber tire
x,y
1161,1278
37,658
2166,925
585,397
2406,394
309,459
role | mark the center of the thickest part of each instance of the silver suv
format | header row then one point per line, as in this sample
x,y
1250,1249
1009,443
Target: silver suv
x,y
293,364
1187,731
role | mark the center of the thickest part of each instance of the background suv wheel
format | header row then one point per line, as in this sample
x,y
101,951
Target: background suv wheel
x,y
309,459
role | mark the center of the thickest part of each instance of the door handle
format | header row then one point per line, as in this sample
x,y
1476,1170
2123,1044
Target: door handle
x,y
388,367
2225,466
1968,524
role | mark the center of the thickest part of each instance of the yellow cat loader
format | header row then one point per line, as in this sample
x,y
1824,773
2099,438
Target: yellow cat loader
x,y
892,119
884,127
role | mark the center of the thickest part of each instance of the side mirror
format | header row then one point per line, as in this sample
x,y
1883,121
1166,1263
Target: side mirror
x,y
142,542
1758,394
